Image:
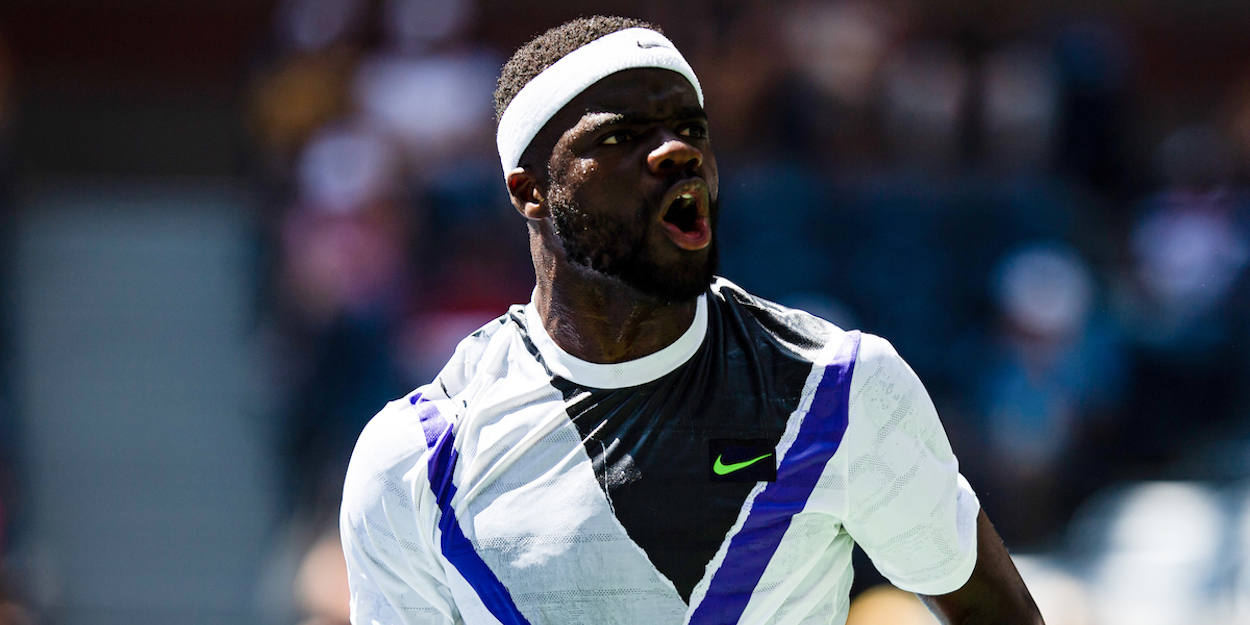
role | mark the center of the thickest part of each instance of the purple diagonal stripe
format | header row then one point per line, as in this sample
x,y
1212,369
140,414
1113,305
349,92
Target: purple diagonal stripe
x,y
751,549
457,548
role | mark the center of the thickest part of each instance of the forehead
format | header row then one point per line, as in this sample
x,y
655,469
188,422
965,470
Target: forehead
x,y
653,92
637,88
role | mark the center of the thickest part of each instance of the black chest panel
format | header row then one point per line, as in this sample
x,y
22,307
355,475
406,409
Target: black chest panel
x,y
649,444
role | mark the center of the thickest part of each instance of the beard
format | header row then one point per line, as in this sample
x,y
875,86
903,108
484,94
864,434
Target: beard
x,y
619,250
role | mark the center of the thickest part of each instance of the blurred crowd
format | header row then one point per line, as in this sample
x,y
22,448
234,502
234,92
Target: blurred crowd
x,y
1077,311
1067,274
11,611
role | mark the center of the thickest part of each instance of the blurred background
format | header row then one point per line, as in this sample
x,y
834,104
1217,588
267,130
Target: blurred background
x,y
233,229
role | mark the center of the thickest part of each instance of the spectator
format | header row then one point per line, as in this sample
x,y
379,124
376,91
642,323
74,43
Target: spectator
x,y
343,269
1053,378
427,87
1189,247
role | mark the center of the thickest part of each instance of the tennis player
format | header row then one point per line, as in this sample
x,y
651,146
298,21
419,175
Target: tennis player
x,y
645,443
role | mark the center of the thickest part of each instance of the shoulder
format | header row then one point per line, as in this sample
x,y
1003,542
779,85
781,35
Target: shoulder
x,y
390,453
397,437
464,364
492,374
887,397
796,331
878,368
389,516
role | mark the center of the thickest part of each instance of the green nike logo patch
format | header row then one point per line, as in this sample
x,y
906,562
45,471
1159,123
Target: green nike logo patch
x,y
744,461
721,468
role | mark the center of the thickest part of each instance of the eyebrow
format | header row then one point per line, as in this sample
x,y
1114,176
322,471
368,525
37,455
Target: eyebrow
x,y
631,119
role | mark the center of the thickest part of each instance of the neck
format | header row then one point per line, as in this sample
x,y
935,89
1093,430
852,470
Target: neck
x,y
601,319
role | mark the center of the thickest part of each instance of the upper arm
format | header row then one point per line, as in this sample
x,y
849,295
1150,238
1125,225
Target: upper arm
x,y
994,593
905,504
381,596
394,571
384,593
910,509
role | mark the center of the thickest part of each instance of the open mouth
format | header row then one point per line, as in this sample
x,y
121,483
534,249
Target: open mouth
x,y
685,216
683,212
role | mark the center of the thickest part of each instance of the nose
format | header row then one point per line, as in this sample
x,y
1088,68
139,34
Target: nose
x,y
674,155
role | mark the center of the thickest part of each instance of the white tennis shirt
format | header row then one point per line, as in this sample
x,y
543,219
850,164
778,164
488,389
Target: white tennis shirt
x,y
524,485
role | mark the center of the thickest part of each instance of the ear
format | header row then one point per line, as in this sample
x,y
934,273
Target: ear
x,y
527,196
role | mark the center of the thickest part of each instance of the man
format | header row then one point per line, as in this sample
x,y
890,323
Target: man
x,y
645,443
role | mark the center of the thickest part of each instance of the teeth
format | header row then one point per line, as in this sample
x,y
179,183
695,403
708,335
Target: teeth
x,y
686,196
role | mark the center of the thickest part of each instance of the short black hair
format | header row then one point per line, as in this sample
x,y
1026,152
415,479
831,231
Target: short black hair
x,y
544,50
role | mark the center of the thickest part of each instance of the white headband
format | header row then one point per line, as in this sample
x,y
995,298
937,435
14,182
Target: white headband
x,y
555,86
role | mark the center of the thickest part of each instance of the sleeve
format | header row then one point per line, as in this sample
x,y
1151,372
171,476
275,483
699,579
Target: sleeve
x,y
394,572
906,504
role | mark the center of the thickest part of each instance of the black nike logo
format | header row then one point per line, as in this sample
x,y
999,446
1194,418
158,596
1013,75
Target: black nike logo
x,y
649,44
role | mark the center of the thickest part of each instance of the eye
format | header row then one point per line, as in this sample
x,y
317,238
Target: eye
x,y
617,138
694,131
